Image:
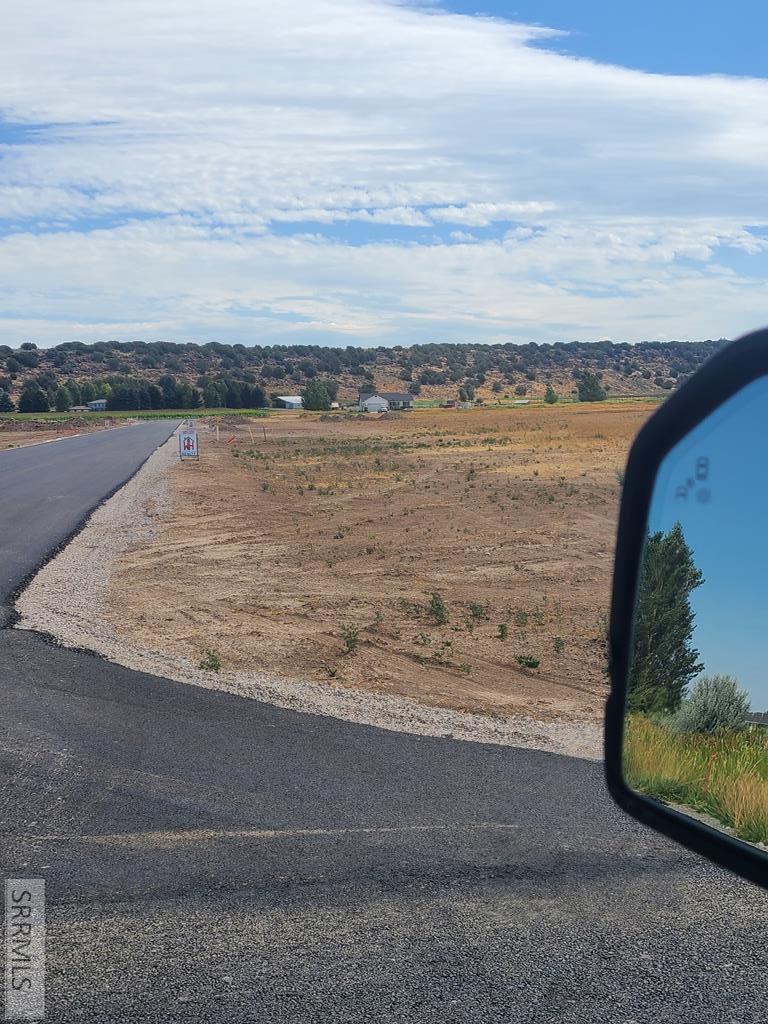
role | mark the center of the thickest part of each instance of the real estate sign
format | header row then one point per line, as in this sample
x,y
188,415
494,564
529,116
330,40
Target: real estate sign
x,y
188,444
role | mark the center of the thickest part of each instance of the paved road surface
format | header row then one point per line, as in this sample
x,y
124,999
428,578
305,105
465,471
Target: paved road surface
x,y
46,490
210,858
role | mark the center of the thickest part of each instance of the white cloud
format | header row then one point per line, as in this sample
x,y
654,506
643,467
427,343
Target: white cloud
x,y
214,129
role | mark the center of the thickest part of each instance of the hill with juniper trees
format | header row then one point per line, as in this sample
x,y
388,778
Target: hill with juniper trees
x,y
152,375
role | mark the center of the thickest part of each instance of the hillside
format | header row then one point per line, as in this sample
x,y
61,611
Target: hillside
x,y
167,375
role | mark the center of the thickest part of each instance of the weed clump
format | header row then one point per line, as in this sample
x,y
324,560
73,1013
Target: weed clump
x,y
210,661
438,610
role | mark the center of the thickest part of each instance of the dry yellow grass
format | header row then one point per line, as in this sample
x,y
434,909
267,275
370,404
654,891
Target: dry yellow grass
x,y
723,774
305,525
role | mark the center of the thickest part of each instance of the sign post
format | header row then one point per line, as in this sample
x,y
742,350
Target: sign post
x,y
188,445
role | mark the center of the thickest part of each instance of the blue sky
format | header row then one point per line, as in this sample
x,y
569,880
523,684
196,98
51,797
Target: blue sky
x,y
727,534
370,172
667,37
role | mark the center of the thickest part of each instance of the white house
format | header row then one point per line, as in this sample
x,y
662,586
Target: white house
x,y
290,401
394,399
98,405
374,403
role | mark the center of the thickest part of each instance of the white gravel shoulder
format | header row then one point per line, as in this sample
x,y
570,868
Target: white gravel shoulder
x,y
67,599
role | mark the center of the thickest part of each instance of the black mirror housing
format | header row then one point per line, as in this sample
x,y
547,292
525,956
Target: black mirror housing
x,y
724,376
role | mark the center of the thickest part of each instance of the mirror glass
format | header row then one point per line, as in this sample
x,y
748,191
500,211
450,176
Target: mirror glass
x,y
696,726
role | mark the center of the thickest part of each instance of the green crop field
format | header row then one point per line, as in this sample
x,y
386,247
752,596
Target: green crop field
x,y
144,414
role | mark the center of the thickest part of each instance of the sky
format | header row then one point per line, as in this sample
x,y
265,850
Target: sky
x,y
726,533
365,172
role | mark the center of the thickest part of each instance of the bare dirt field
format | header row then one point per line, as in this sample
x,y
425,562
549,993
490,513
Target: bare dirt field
x,y
19,433
436,548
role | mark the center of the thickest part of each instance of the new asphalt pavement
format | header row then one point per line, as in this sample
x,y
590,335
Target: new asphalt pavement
x,y
210,858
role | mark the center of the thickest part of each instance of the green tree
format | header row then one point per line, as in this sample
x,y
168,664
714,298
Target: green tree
x,y
315,396
170,390
590,388
33,399
6,405
63,399
664,660
74,390
213,395
87,393
550,395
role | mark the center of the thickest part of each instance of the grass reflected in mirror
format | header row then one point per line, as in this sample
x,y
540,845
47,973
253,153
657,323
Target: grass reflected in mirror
x,y
723,774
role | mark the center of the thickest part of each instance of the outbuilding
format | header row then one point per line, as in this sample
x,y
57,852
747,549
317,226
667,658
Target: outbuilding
x,y
289,402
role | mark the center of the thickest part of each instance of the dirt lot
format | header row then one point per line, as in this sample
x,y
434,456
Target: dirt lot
x,y
309,535
18,433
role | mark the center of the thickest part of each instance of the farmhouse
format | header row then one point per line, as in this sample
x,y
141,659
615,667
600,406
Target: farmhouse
x,y
98,405
289,402
374,403
393,400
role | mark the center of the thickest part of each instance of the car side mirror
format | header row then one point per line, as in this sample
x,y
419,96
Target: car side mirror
x,y
686,742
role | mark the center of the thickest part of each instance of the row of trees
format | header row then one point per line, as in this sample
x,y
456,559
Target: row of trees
x,y
41,394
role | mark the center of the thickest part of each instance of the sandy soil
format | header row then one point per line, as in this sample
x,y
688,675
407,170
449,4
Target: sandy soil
x,y
306,536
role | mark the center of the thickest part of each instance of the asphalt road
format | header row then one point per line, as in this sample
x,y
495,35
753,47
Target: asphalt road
x,y
210,858
46,490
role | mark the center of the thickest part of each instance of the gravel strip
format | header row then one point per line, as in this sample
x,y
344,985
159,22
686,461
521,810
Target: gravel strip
x,y
67,599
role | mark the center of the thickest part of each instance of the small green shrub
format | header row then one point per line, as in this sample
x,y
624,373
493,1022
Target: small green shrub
x,y
437,609
211,661
503,631
350,635
559,645
528,661
521,617
478,611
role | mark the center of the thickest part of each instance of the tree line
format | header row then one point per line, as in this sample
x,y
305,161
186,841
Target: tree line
x,y
44,393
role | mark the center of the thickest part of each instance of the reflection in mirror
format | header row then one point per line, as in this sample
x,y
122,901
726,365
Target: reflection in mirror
x,y
696,727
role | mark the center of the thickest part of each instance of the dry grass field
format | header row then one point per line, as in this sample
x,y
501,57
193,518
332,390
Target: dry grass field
x,y
460,557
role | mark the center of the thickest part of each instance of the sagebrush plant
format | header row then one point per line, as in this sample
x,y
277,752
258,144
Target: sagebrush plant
x,y
714,704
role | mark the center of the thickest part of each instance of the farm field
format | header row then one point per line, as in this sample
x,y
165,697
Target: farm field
x,y
458,557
